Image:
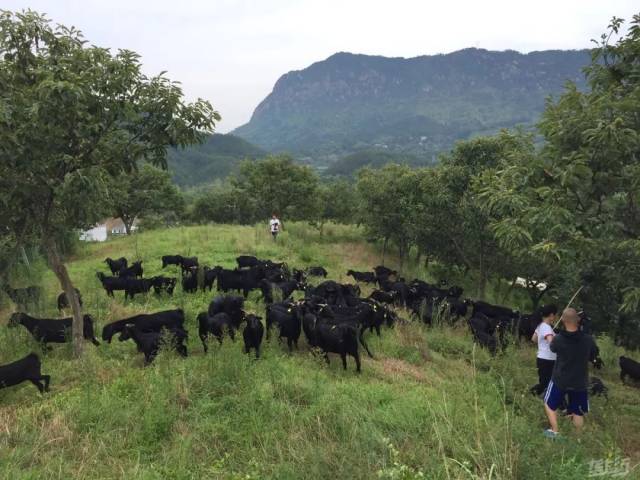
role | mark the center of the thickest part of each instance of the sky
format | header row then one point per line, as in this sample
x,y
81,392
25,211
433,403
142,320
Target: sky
x,y
231,52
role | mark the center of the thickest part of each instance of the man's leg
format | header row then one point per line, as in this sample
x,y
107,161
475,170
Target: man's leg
x,y
551,400
552,417
578,421
578,407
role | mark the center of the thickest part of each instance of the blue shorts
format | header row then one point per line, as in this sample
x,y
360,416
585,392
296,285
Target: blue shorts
x,y
578,400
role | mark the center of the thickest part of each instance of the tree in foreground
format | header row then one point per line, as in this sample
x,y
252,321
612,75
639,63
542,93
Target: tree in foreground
x,y
71,117
578,199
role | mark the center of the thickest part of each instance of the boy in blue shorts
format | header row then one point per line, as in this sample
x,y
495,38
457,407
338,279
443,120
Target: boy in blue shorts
x,y
573,349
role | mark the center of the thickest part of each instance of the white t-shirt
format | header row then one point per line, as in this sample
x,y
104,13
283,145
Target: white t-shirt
x,y
544,351
275,225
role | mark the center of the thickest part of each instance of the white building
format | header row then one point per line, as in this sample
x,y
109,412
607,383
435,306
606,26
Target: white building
x,y
102,230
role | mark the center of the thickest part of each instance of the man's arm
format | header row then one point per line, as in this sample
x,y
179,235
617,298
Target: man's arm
x,y
534,337
556,344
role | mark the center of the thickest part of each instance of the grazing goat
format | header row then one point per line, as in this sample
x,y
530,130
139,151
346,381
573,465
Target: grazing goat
x,y
25,369
46,330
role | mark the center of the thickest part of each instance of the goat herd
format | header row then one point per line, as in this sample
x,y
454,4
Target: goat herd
x,y
333,316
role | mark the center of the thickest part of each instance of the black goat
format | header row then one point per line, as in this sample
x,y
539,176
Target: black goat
x,y
146,322
287,318
135,285
46,330
116,265
149,343
210,276
367,277
216,325
163,284
384,297
252,334
339,338
111,284
629,367
247,261
171,260
190,281
63,301
25,369
135,270
189,263
317,272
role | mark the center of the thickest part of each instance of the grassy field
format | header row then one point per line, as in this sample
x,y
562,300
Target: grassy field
x,y
430,405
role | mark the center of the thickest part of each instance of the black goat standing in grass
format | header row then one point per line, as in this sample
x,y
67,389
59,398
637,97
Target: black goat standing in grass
x,y
252,334
45,330
149,343
25,369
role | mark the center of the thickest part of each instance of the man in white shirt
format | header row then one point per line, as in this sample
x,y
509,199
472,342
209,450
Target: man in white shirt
x,y
545,359
274,225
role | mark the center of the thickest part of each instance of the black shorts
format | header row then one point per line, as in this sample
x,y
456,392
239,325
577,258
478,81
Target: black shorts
x,y
545,370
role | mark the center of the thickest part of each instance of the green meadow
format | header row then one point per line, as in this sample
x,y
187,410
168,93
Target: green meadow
x,y
429,405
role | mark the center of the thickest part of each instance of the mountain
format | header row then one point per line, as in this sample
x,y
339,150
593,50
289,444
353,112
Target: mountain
x,y
419,106
349,164
216,158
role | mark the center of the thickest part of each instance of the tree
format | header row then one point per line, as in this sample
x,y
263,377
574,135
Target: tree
x,y
388,199
72,115
277,184
578,199
224,204
144,191
337,202
452,225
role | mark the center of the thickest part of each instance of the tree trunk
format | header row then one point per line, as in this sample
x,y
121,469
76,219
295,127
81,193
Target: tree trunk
x,y
59,269
128,223
482,282
536,295
510,289
384,248
403,253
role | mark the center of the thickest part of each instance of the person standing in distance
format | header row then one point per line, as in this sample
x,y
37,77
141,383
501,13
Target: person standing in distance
x,y
274,225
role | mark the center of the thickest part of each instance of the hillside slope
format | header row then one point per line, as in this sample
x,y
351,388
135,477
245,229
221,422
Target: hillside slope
x,y
415,105
449,409
351,163
214,159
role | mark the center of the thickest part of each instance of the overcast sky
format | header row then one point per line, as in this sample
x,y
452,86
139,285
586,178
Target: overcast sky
x,y
231,52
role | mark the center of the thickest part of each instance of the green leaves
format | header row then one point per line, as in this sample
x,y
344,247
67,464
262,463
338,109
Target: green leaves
x,y
72,114
278,185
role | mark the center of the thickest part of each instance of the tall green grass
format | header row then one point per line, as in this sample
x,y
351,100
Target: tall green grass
x,y
429,405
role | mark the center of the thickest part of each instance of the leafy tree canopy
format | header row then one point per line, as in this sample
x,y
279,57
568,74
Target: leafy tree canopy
x,y
72,115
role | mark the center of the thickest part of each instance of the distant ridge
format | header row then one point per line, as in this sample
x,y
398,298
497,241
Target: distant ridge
x,y
419,106
214,159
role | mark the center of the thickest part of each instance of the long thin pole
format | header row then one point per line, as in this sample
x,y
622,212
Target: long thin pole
x,y
568,305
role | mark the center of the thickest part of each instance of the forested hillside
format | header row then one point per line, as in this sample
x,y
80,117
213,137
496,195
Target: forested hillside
x,y
415,105
349,164
214,159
